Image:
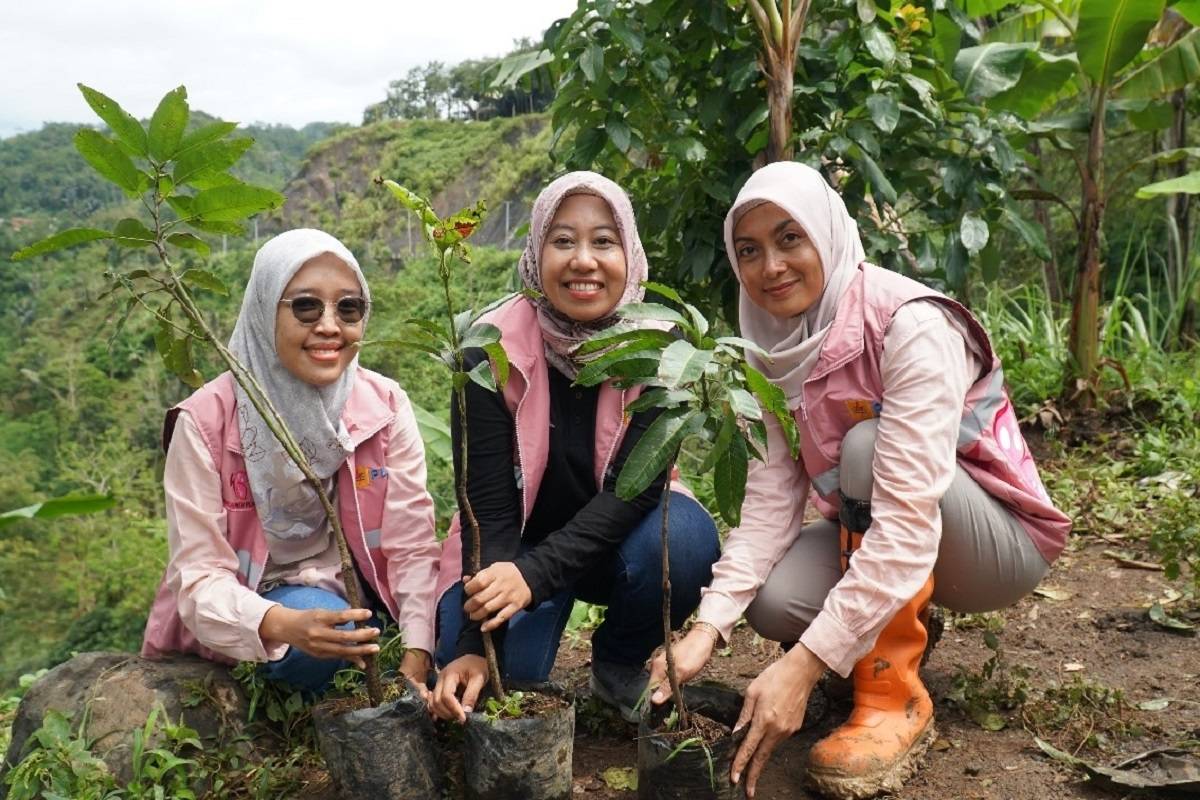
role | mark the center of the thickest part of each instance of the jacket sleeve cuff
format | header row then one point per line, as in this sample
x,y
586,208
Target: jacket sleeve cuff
x,y
720,611
834,643
538,590
264,649
418,636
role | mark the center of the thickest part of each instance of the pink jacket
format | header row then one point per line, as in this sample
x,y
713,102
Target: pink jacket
x,y
844,388
527,395
377,522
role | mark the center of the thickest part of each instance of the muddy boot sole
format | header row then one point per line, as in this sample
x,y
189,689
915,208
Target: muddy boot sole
x,y
891,779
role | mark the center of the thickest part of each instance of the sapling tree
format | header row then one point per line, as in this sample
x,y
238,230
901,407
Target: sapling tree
x,y
181,179
447,343
708,393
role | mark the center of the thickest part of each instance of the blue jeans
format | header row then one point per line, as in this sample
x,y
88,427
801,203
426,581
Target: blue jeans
x,y
297,668
629,582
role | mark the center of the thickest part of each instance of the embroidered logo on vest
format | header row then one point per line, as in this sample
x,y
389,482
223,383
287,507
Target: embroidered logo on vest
x,y
861,410
365,476
239,484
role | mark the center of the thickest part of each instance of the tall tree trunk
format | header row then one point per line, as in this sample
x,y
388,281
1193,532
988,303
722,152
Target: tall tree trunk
x,y
779,104
1179,212
780,24
1085,307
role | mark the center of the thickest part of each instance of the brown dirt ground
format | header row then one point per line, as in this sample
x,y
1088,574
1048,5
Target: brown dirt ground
x,y
1100,632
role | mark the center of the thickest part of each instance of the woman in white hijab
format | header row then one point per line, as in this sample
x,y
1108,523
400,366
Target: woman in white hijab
x,y
910,445
254,572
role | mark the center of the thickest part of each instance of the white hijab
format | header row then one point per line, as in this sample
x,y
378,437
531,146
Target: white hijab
x,y
795,342
295,524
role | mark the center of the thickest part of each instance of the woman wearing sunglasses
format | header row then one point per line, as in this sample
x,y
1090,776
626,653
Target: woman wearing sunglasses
x,y
254,571
544,458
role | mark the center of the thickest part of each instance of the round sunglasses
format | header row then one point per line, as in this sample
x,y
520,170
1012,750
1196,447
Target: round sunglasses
x,y
309,310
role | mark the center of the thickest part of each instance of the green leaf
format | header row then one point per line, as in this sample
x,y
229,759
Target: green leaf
x,y
654,451
414,203
1185,184
954,261
122,123
481,374
1189,10
600,368
499,360
648,337
1033,235
682,364
203,135
688,148
654,311
725,434
618,132
729,480
110,161
210,158
168,124
480,334
879,44
658,397
885,111
632,39
874,175
234,203
973,232
435,432
751,123
205,280
189,241
1111,33
1176,67
59,241
1042,81
131,232
592,62
60,507
989,69
745,344
663,290
744,405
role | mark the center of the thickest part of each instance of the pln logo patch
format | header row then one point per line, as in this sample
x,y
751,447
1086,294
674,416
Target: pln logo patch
x,y
365,476
861,410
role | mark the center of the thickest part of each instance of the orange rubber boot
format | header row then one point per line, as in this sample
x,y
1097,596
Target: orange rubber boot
x,y
891,726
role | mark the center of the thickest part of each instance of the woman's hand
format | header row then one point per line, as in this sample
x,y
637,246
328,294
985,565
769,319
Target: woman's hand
x,y
691,654
496,593
774,708
415,666
315,631
466,675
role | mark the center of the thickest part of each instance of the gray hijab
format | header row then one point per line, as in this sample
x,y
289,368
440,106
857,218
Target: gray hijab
x,y
295,524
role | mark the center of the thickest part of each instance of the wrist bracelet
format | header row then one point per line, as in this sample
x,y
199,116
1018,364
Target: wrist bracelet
x,y
711,630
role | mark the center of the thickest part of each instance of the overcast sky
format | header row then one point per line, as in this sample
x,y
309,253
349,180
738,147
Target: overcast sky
x,y
285,61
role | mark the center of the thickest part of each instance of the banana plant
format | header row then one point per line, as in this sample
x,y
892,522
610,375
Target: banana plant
x,y
1083,66
708,394
447,342
181,179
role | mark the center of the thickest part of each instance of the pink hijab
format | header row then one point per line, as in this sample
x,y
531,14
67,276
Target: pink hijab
x,y
563,335
795,342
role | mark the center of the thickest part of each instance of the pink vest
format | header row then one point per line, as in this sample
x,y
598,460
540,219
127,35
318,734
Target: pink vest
x,y
361,491
527,395
845,388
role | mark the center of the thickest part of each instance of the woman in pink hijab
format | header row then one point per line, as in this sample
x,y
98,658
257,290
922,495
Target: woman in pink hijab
x,y
924,483
544,458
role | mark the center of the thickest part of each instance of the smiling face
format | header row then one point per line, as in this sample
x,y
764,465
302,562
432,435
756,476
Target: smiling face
x,y
318,353
583,260
780,267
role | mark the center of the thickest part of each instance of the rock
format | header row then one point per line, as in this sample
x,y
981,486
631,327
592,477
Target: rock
x,y
120,689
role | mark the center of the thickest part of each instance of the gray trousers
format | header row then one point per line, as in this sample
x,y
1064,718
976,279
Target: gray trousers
x,y
985,560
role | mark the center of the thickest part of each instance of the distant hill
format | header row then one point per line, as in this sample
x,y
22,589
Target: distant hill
x,y
502,161
41,173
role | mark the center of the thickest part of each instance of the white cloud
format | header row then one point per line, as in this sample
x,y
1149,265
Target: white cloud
x,y
286,61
